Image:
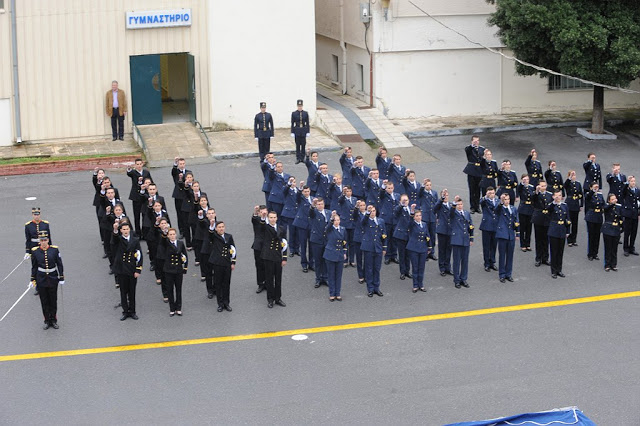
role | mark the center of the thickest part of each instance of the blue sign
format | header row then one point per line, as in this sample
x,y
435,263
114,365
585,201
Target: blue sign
x,y
158,18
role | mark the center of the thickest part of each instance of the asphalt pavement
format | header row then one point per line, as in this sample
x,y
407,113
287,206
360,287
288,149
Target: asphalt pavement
x,y
430,372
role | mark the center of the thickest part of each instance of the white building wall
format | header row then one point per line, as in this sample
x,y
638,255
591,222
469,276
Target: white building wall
x,y
6,127
6,79
261,51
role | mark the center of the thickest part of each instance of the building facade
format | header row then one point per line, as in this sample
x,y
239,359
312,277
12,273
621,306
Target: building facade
x,y
177,60
408,65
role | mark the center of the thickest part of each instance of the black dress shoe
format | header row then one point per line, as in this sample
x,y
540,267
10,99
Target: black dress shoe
x,y
135,317
443,273
589,257
538,263
561,275
370,294
152,267
448,273
124,317
415,290
104,256
279,302
387,261
317,285
614,269
510,279
554,276
457,285
55,325
502,280
626,254
487,269
596,258
46,326
402,276
546,262
432,257
394,260
114,139
35,293
210,296
228,308
260,289
220,308
379,293
121,138
408,275
305,270
635,253
422,289
464,284
493,267
270,305
353,265
311,268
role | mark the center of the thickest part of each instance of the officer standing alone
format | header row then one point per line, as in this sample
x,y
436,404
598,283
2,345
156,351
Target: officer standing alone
x,y
300,130
46,273
263,130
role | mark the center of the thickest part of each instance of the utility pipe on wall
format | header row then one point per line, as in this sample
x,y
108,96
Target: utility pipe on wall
x,y
344,49
16,86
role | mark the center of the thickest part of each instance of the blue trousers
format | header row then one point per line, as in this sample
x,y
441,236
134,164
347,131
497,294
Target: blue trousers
x,y
391,248
317,250
505,257
418,261
431,226
350,246
334,271
489,245
277,207
444,252
403,259
359,254
303,242
460,263
372,265
292,235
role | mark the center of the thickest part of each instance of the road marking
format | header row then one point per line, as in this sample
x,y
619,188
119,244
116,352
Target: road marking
x,y
325,329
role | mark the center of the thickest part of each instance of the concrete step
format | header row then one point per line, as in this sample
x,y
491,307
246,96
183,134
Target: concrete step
x,y
164,142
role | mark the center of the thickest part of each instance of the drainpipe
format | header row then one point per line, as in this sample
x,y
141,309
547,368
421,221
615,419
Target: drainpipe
x,y
16,86
344,49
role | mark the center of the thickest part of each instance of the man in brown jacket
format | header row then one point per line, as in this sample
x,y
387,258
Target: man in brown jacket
x,y
116,109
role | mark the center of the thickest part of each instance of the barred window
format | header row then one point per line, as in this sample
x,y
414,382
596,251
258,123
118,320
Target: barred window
x,y
557,82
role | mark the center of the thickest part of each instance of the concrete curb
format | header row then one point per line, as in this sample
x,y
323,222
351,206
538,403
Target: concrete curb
x,y
62,165
283,152
516,127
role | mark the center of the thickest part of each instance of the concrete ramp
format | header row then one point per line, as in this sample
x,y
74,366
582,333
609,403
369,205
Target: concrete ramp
x,y
164,142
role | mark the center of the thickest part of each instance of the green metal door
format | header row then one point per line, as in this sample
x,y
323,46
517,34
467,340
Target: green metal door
x,y
191,89
146,97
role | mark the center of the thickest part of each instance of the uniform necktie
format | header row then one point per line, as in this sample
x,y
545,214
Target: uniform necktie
x,y
324,216
175,244
223,238
376,221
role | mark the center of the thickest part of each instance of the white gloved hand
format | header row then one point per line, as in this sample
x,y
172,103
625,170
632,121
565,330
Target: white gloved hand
x,y
307,135
61,282
31,284
27,255
293,135
256,138
271,137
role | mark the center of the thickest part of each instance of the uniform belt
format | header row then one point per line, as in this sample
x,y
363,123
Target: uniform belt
x,y
527,202
559,222
596,210
48,270
477,164
35,240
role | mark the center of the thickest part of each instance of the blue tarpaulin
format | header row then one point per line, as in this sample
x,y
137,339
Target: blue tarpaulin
x,y
559,416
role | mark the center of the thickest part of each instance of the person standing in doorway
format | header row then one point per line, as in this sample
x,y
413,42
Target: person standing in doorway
x,y
116,103
300,130
263,130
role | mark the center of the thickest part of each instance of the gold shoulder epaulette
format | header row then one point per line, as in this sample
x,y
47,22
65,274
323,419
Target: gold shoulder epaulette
x,y
27,223
46,221
55,247
35,248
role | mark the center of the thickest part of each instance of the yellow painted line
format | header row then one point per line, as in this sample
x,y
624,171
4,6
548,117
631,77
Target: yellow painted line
x,y
315,330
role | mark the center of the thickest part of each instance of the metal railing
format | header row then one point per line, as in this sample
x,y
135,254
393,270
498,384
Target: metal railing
x,y
197,123
137,136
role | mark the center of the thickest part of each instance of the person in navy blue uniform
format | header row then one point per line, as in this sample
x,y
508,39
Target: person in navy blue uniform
x,y
127,266
534,168
359,174
258,219
611,229
525,192
346,164
151,219
335,191
489,172
263,130
223,260
507,232
383,162
372,188
616,181
300,130
274,255
489,203
396,171
313,166
374,246
161,231
593,214
206,268
96,180
592,172
32,231
323,182
175,266
417,249
443,229
575,202
279,181
47,272
428,198
473,170
178,172
389,199
346,208
402,213
559,226
188,186
301,225
630,204
358,217
411,186
335,254
542,200
267,166
137,175
507,181
289,210
318,220
461,242
553,178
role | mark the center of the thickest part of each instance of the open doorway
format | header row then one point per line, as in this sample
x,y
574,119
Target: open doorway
x,y
174,88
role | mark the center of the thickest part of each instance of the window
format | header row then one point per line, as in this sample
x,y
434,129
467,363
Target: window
x,y
360,82
335,70
557,82
1,5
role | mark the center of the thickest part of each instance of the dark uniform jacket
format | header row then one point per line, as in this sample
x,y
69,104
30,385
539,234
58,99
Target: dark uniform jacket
x,y
526,198
428,200
541,206
593,206
418,237
559,222
175,174
461,228
336,243
508,223
443,215
222,249
489,173
46,266
554,181
616,184
374,237
612,225
263,125
592,174
474,157
630,200
273,243
574,193
257,223
127,255
175,260
137,178
299,123
31,232
345,209
534,170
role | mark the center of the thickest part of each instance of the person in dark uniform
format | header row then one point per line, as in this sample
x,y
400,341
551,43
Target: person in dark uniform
x,y
274,255
402,213
507,232
178,173
507,181
372,187
115,216
542,200
267,166
593,214
346,209
175,266
291,194
161,232
263,130
461,242
301,226
206,268
443,229
417,249
152,220
553,178
611,229
534,168
616,181
300,130
592,172
411,186
313,166
396,171
223,261
137,175
359,174
559,226
323,182
96,180
32,231
389,199
346,164
334,255
525,192
374,246
279,182
127,266
473,170
258,219
318,220
47,272
575,201
383,162
489,172
489,203
428,199
200,231
630,204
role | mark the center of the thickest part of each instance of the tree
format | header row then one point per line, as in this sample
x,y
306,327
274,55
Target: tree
x,y
596,40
